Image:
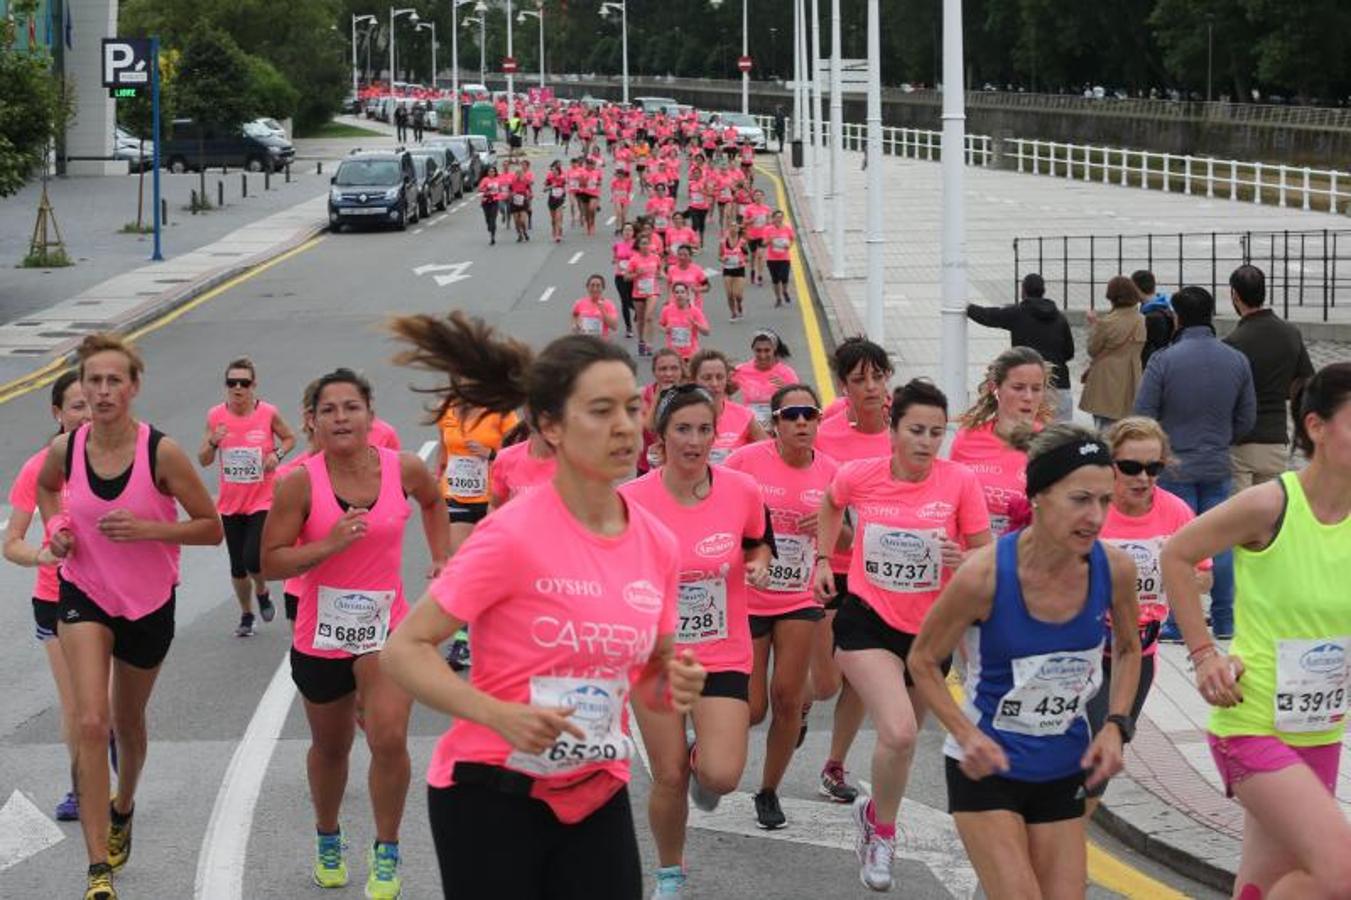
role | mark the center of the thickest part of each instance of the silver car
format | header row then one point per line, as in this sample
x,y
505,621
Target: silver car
x,y
746,126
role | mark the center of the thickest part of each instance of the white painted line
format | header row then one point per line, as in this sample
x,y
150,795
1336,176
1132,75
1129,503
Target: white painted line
x,y
24,830
576,256
221,861
548,292
610,221
417,231
426,450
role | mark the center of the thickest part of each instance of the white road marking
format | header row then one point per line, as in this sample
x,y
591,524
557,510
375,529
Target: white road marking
x,y
221,861
610,221
426,450
417,231
456,271
576,256
549,292
24,831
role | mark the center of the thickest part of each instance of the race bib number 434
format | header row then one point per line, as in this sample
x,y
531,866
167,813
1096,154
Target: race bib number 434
x,y
1050,691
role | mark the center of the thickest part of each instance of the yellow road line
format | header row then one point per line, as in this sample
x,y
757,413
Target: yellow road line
x,y
52,370
816,347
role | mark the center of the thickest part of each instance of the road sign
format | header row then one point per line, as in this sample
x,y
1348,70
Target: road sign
x,y
126,62
853,75
509,65
744,63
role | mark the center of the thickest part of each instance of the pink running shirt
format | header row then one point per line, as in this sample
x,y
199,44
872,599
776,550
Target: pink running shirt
x,y
558,616
839,439
896,567
759,385
241,457
295,585
731,431
1002,470
591,315
382,434
713,619
681,327
23,496
516,471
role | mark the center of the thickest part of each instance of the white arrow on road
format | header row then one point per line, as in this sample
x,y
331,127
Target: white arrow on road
x,y
24,831
456,271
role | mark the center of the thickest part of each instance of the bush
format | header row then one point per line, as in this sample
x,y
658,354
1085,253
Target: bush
x,y
33,110
270,94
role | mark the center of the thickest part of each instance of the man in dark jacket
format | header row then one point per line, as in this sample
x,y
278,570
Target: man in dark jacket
x,y
1036,323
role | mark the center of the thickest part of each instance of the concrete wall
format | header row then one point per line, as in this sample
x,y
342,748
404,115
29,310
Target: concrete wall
x,y
89,138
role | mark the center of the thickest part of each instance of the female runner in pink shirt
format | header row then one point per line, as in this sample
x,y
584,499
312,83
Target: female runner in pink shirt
x,y
682,321
70,411
680,235
756,217
668,370
1015,396
252,439
917,517
339,518
684,271
721,526
620,254
595,313
525,463
736,425
778,238
527,790
556,186
733,257
644,275
793,478
118,541
760,377
621,195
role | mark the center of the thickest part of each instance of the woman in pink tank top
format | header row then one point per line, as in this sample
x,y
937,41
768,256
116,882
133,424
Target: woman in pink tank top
x,y
118,543
70,411
736,424
570,595
251,439
339,518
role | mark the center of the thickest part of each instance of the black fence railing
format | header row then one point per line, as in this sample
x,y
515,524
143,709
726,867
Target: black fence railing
x,y
1306,270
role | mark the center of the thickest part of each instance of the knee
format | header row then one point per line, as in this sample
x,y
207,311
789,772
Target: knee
x,y
1334,874
387,741
897,738
718,776
671,774
786,701
91,727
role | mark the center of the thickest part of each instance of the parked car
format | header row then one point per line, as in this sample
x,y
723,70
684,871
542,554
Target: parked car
x,y
431,183
476,92
653,104
484,148
458,161
377,187
747,127
249,146
128,147
273,127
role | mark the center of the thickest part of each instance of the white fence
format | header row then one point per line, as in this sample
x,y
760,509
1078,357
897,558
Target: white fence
x,y
914,143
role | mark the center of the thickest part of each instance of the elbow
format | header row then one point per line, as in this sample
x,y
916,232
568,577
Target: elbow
x,y
213,532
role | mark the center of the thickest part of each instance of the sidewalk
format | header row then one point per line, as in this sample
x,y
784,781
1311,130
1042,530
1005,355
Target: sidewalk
x,y
1168,803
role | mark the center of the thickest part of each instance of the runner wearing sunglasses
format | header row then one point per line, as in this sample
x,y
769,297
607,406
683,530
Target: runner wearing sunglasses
x,y
784,613
251,438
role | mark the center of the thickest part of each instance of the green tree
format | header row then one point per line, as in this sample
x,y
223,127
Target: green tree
x,y
269,93
209,86
33,107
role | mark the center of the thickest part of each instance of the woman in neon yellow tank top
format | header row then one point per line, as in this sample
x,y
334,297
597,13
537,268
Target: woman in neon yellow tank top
x,y
1281,693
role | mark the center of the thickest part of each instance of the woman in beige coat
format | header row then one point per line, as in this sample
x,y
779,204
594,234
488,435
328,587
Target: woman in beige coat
x,y
1114,345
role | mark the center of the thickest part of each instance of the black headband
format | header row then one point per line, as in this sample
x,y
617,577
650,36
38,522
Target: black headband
x,y
1051,467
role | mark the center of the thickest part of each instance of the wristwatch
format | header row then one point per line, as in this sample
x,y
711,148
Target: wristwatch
x,y
1124,724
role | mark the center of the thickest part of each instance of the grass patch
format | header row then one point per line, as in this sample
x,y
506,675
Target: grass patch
x,y
133,228
339,130
50,259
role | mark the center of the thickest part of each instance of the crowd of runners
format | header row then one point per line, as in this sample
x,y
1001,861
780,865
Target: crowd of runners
x,y
675,562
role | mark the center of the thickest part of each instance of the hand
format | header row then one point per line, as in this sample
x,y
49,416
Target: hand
x,y
533,729
219,435
757,574
981,756
347,530
61,543
1103,759
45,557
121,525
825,581
1091,317
1217,679
686,677
952,552
271,461
435,568
478,449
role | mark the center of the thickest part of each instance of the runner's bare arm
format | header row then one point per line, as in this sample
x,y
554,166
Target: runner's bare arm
x,y
290,507
1103,759
829,525
419,483
179,479
285,436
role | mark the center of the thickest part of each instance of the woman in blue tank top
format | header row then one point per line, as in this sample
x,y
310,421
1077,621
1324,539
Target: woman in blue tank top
x,y
1030,612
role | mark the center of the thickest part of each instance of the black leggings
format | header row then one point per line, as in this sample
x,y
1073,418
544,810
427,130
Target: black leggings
x,y
625,288
243,540
490,217
491,844
697,219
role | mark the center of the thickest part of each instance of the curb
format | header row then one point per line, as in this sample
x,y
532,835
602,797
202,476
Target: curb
x,y
163,304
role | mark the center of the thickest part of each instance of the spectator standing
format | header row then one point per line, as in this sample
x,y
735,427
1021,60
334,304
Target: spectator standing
x,y
1114,345
1201,391
419,120
400,122
780,125
1160,324
1280,366
1036,322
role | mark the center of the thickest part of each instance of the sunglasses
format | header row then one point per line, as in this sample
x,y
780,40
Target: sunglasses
x,y
796,413
1135,467
239,382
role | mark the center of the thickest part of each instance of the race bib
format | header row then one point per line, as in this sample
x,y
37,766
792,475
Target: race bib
x,y
467,476
1049,692
731,261
718,455
597,706
696,197
661,222
999,524
241,465
518,199
760,220
556,192
1312,680
647,285
790,570
905,562
702,611
1148,578
763,412
680,337
590,325
353,621
654,456
779,243
623,266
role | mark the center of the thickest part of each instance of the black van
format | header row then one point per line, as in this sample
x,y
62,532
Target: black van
x,y
249,146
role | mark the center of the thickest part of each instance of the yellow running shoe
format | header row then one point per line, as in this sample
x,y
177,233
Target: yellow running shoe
x,y
100,883
119,839
330,869
383,881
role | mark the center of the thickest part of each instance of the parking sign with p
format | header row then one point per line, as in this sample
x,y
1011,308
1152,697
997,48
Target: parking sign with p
x,y
126,62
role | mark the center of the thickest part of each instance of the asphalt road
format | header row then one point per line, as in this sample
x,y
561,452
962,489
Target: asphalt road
x,y
323,307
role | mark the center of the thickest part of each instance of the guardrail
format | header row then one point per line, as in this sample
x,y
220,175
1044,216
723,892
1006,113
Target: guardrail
x,y
1304,269
913,143
1256,182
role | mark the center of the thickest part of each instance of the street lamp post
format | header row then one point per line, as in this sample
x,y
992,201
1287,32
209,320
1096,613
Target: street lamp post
x,y
511,76
356,20
818,125
1210,54
525,14
623,7
876,308
455,58
836,144
953,348
432,25
394,14
482,24
745,51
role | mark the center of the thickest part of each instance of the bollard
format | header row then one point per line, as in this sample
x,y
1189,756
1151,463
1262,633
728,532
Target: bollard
x,y
220,194
267,179
243,184
163,211
192,204
288,173
319,170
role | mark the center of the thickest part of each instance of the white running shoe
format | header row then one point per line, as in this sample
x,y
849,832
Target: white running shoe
x,y
875,853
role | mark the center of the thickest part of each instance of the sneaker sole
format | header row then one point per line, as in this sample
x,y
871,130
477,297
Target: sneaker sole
x,y
763,827
834,798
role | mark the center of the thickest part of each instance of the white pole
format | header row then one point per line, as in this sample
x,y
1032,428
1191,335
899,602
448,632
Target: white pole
x,y
876,316
354,55
391,57
433,57
797,70
953,348
818,132
836,145
455,66
541,50
482,47
624,28
745,51
511,77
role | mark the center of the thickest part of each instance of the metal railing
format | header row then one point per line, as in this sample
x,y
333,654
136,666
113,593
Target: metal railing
x,y
1304,269
912,143
1255,182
